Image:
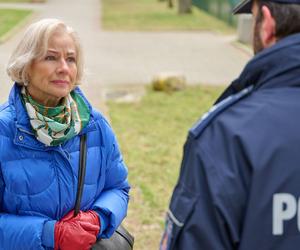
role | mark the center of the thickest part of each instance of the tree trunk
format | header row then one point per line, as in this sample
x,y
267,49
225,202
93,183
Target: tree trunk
x,y
184,6
170,3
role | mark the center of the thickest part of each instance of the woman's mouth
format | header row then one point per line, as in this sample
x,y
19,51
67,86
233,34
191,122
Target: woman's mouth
x,y
60,82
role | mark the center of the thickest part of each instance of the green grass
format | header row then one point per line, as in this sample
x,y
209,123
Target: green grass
x,y
14,1
151,134
9,18
154,15
20,1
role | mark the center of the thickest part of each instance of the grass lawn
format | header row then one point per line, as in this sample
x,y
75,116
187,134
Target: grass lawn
x,y
151,134
14,1
9,18
22,1
154,15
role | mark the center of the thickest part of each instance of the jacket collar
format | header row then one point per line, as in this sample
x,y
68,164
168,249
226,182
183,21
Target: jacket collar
x,y
277,66
24,135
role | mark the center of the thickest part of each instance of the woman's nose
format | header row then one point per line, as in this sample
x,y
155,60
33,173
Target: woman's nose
x,y
63,66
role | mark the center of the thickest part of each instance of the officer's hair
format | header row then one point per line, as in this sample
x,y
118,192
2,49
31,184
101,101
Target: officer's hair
x,y
34,45
286,16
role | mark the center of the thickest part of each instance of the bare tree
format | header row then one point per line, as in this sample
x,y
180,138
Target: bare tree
x,y
184,6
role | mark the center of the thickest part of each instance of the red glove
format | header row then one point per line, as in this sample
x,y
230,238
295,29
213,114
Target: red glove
x,y
77,233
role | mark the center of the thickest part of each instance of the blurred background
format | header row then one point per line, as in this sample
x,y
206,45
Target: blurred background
x,y
153,67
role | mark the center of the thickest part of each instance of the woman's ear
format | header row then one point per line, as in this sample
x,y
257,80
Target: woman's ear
x,y
27,71
268,28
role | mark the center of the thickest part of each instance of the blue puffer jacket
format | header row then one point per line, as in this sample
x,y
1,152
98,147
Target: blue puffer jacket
x,y
38,183
239,184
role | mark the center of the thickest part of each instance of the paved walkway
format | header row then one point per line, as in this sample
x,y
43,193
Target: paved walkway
x,y
114,58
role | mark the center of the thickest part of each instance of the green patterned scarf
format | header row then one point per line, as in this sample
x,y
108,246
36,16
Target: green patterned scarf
x,y
55,125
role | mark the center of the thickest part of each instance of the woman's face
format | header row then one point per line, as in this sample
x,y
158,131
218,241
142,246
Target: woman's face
x,y
53,77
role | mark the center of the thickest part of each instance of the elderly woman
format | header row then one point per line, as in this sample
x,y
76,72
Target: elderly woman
x,y
40,129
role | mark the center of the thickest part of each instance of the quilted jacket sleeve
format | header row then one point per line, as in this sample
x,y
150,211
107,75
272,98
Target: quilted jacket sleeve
x,y
19,232
113,200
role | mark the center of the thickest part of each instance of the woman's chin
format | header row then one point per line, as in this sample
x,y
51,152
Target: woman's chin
x,y
61,91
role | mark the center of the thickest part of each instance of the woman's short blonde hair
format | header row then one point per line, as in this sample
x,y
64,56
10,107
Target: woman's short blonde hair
x,y
34,45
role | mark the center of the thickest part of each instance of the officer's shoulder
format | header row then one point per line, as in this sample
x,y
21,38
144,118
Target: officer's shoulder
x,y
216,110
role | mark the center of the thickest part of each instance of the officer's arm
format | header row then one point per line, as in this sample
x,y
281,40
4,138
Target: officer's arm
x,y
197,219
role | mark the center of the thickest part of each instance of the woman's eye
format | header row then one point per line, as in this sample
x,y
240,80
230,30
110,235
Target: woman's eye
x,y
50,58
71,59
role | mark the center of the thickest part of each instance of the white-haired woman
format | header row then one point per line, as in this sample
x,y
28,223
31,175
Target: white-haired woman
x,y
40,129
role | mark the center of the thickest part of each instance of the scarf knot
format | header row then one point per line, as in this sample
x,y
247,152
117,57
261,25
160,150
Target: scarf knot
x,y
55,125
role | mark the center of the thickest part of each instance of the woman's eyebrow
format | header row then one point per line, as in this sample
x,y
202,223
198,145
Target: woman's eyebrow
x,y
52,51
71,53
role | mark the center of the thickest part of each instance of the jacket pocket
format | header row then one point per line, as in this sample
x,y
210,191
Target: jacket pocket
x,y
181,207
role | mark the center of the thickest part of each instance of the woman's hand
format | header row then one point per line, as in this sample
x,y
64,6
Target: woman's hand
x,y
77,233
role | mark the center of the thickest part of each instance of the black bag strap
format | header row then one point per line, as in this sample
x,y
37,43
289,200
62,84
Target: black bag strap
x,y
81,173
126,235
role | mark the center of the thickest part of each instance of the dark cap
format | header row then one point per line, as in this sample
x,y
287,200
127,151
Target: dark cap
x,y
245,6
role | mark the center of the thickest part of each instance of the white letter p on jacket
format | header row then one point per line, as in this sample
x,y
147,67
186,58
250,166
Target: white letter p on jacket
x,y
284,208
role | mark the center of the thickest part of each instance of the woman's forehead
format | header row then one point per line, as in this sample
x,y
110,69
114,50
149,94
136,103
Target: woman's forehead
x,y
61,41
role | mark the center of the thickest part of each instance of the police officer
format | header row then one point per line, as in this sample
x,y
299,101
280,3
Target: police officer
x,y
239,184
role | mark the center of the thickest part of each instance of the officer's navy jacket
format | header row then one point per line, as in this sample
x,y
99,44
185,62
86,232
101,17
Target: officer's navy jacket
x,y
38,183
239,183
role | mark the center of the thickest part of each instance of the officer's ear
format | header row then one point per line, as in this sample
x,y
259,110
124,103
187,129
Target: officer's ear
x,y
268,28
